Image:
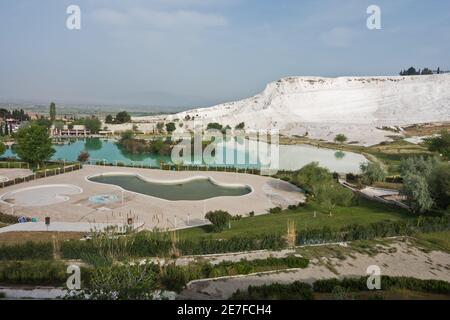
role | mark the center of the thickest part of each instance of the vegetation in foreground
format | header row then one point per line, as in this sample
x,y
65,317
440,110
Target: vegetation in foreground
x,y
348,289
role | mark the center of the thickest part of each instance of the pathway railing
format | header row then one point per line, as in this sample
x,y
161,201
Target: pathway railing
x,y
173,167
39,174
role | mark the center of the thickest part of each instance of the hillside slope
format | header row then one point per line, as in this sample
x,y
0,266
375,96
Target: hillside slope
x,y
323,107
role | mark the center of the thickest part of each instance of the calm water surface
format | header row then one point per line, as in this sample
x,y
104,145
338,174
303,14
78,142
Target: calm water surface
x,y
291,157
199,189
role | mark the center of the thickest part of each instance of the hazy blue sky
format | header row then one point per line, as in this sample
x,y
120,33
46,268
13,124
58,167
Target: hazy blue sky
x,y
201,52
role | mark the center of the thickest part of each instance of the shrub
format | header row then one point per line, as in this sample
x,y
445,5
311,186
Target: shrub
x,y
173,278
275,210
219,219
29,250
240,126
214,125
170,127
9,219
340,138
83,156
33,272
372,172
293,291
387,283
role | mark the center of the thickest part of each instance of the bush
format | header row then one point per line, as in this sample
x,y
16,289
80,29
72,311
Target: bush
x,y
173,278
83,156
9,219
219,219
275,210
170,127
387,283
214,125
293,291
27,251
379,229
33,272
340,287
340,138
240,126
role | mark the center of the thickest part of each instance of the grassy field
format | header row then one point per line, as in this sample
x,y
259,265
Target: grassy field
x,y
434,240
365,213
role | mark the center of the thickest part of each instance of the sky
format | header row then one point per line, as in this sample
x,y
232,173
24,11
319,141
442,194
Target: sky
x,y
189,53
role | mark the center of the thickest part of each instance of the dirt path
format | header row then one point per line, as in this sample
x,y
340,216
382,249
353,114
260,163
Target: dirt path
x,y
397,259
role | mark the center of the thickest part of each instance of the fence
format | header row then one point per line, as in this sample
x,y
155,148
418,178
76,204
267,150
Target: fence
x,y
174,167
41,174
14,165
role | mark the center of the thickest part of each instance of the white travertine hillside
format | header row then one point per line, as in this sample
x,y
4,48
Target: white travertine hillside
x,y
323,107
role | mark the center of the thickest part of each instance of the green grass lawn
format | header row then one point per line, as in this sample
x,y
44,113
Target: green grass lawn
x,y
365,213
434,240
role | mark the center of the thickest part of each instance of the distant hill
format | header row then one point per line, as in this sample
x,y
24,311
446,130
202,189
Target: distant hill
x,y
323,107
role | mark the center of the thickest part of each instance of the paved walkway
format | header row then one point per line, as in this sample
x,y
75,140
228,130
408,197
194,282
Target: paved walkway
x,y
11,174
267,193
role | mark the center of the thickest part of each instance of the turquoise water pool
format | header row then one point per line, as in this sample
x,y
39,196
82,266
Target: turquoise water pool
x,y
197,189
291,157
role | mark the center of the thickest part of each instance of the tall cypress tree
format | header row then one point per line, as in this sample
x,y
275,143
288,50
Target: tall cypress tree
x,y
52,111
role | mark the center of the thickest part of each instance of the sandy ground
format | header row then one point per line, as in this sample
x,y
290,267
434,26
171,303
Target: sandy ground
x,y
153,212
11,174
401,259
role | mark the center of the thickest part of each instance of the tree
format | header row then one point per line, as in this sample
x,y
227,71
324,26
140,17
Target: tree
x,y
52,112
6,129
44,122
160,127
59,125
440,144
311,176
330,195
2,148
418,166
416,189
33,144
426,71
219,219
83,156
240,126
109,119
127,135
121,282
372,172
170,127
340,138
439,183
122,117
214,125
92,124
